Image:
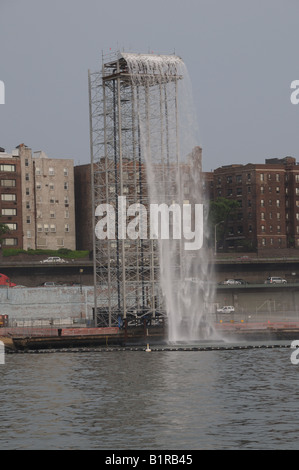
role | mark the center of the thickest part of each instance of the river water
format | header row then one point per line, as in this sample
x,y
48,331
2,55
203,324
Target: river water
x,y
170,400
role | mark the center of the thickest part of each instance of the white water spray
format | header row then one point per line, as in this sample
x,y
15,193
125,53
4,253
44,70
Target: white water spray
x,y
169,138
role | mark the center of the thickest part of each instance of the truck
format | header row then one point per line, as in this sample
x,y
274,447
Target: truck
x,y
5,281
226,309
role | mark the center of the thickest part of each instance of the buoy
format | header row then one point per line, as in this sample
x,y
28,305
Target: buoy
x,y
148,348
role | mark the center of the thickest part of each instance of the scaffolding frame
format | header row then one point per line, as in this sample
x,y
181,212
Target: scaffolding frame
x,y
133,119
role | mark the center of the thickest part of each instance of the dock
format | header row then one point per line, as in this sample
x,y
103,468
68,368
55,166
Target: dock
x,y
38,339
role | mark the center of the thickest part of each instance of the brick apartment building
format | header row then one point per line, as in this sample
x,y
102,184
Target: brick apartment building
x,y
37,200
268,196
11,199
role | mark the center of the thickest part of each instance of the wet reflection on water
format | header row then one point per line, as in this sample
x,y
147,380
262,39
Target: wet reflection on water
x,y
158,400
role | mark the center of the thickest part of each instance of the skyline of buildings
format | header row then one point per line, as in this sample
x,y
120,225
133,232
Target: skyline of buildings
x,y
47,202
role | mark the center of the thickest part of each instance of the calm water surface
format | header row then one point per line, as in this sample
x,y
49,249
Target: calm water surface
x,y
244,399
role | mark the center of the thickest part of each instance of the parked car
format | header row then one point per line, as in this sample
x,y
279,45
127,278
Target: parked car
x,y
54,259
232,281
226,309
49,284
242,281
275,280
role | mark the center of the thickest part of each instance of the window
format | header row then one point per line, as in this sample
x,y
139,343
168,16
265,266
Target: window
x,y
262,203
28,233
262,228
8,183
5,167
277,190
239,191
262,189
66,228
28,219
46,227
66,214
51,185
27,205
229,179
248,176
262,215
262,176
37,171
12,226
11,197
239,178
278,228
277,176
51,171
263,241
26,162
27,191
52,214
9,211
38,185
27,178
60,242
278,215
277,203
39,227
229,192
297,178
10,241
52,200
65,171
53,228
66,200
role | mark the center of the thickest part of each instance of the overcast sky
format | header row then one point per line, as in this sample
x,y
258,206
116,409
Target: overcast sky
x,y
241,55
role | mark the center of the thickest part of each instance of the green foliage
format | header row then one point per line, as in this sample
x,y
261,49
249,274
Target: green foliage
x,y
221,209
62,252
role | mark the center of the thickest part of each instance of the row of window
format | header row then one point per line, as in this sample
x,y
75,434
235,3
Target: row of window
x,y
51,228
263,177
51,171
40,242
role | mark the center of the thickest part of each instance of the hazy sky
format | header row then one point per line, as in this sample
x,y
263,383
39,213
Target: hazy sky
x,y
241,55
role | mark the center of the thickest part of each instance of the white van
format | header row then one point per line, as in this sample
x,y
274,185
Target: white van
x,y
275,280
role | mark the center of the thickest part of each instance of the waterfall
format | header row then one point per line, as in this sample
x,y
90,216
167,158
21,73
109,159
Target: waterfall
x,y
169,139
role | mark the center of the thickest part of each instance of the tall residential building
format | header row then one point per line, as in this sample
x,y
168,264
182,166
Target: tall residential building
x,y
11,199
268,197
48,201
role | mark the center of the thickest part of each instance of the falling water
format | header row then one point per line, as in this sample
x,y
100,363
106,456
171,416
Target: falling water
x,y
169,135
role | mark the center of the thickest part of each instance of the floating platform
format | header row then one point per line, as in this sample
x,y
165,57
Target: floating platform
x,y
39,339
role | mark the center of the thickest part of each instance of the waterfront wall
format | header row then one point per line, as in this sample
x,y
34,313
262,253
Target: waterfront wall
x,y
47,302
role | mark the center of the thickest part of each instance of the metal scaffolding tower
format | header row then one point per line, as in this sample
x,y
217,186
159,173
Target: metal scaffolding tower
x,y
133,138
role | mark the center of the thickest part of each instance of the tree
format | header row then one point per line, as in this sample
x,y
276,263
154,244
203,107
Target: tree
x,y
220,211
